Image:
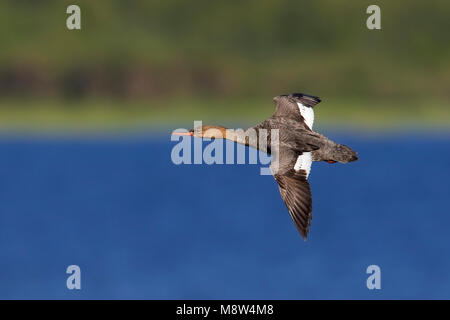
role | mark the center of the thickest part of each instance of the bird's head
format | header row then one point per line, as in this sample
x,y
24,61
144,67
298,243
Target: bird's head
x,y
211,132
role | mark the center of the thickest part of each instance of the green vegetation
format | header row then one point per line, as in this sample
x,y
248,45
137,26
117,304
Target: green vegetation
x,y
101,115
161,63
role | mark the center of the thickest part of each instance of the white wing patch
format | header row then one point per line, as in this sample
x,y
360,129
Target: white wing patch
x,y
307,114
304,162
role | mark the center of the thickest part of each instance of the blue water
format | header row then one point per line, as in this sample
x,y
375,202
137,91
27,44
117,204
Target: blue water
x,y
141,227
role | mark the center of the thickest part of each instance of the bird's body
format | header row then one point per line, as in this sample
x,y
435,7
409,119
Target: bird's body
x,y
297,147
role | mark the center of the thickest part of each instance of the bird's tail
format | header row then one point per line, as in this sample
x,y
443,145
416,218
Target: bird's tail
x,y
331,151
344,154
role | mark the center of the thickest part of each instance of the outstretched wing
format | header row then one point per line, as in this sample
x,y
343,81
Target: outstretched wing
x,y
294,187
298,106
296,194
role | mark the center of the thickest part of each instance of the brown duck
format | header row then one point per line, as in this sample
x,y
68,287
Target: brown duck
x,y
297,145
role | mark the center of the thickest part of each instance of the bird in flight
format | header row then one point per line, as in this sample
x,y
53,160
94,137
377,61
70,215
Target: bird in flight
x,y
297,147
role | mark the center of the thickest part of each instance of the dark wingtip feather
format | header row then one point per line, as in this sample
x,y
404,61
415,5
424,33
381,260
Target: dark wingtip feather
x,y
306,99
304,235
299,94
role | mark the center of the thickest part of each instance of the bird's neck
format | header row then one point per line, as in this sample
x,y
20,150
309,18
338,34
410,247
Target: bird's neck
x,y
236,135
248,137
239,136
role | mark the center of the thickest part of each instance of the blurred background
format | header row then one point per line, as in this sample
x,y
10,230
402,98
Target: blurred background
x,y
86,176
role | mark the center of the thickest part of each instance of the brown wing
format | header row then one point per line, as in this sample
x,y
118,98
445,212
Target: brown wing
x,y
296,194
294,188
286,105
306,99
